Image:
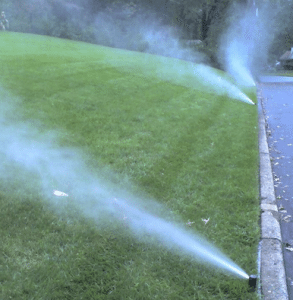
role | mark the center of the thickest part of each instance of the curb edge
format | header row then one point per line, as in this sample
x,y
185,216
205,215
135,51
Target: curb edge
x,y
272,270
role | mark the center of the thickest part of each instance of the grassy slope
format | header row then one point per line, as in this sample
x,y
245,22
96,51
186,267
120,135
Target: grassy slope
x,y
288,73
193,151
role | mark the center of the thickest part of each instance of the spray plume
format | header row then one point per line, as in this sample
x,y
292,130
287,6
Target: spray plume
x,y
145,34
142,32
59,168
135,28
245,45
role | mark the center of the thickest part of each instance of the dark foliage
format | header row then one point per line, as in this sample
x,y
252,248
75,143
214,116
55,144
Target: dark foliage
x,y
203,20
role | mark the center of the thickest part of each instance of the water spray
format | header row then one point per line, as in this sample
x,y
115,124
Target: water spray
x,y
131,215
219,84
63,166
144,223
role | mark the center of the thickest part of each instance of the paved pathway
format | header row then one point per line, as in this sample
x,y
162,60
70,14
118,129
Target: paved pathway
x,y
277,105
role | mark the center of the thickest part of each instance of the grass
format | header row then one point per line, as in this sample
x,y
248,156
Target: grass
x,y
288,73
139,124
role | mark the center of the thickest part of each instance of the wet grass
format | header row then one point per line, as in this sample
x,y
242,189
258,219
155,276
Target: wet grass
x,y
190,149
288,73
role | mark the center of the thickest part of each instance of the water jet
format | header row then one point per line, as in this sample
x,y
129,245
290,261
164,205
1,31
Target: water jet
x,y
174,237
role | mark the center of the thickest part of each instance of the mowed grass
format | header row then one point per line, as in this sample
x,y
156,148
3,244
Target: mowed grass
x,y
179,143
282,72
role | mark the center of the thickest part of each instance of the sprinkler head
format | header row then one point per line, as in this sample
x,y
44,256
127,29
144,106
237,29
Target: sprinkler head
x,y
252,282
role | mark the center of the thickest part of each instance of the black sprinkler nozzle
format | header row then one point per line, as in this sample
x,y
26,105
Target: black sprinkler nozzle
x,y
252,281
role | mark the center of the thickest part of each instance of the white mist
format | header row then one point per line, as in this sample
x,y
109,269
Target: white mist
x,y
60,167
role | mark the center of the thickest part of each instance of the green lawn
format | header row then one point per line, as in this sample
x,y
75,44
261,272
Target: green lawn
x,y
144,124
287,73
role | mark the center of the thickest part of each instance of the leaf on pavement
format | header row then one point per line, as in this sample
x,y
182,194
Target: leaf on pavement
x,y
287,218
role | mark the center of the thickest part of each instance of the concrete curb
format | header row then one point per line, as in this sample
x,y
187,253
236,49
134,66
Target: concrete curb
x,y
272,269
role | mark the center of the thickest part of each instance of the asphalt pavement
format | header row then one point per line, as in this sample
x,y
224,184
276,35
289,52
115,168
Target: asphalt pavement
x,y
275,95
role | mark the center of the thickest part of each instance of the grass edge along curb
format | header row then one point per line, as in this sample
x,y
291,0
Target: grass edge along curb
x,y
272,271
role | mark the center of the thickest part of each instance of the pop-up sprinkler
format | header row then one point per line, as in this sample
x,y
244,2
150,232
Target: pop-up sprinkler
x,y
252,281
